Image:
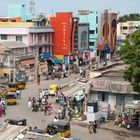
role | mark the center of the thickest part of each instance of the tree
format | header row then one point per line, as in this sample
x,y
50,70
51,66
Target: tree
x,y
130,17
130,54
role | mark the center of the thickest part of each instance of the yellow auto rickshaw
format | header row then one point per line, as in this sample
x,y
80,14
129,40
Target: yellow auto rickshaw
x,y
21,84
62,127
53,89
11,99
13,87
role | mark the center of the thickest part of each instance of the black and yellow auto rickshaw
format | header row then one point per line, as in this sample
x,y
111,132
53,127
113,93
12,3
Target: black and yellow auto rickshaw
x,y
62,127
21,84
13,87
11,99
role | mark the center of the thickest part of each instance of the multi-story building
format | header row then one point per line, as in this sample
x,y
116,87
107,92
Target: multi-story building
x,y
65,35
126,28
36,34
107,35
27,40
69,37
86,16
19,10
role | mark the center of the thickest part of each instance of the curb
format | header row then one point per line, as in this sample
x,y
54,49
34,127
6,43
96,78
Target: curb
x,y
119,132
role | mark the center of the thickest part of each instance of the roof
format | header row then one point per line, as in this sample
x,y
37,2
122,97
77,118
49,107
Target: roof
x,y
16,24
9,132
13,44
60,122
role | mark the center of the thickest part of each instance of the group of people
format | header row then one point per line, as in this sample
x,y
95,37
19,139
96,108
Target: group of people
x,y
127,119
2,107
41,103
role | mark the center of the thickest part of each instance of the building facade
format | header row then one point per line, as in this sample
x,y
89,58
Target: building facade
x,y
124,29
107,35
65,37
86,16
36,35
19,10
117,94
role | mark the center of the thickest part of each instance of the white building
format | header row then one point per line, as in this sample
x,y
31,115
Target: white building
x,y
126,28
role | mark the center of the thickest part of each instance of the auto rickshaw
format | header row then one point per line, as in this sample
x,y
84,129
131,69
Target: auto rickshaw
x,y
53,89
11,99
13,87
62,127
21,84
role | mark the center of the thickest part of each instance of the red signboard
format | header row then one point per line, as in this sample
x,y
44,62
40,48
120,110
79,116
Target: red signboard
x,y
61,24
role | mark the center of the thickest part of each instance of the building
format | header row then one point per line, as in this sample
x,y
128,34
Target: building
x,y
62,25
68,37
126,28
107,36
90,17
117,93
36,35
17,10
83,42
10,19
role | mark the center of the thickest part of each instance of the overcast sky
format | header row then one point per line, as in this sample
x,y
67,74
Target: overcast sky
x,y
49,6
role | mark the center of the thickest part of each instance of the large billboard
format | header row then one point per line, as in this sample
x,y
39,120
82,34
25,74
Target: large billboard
x,y
61,24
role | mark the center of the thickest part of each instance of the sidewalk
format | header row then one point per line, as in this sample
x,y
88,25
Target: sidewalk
x,y
110,126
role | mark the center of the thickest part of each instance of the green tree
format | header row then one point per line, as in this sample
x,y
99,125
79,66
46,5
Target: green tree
x,y
130,54
130,17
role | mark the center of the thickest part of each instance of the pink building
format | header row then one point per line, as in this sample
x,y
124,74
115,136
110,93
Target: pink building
x,y
37,35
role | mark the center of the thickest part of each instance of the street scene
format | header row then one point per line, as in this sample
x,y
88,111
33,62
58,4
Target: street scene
x,y
69,75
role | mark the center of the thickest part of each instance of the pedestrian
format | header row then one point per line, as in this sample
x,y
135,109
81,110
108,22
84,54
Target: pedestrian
x,y
1,110
55,119
90,128
29,102
45,109
95,126
4,109
70,115
18,94
38,79
49,109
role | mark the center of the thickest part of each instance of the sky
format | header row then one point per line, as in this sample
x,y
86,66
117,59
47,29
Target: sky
x,y
51,6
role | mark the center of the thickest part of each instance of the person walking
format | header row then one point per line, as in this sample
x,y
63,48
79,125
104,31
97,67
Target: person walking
x,y
90,128
45,109
29,103
38,79
49,109
70,115
95,126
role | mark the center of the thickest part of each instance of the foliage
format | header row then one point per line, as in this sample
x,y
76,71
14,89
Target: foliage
x,y
130,17
130,54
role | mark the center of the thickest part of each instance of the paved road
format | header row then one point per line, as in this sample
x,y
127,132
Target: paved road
x,y
21,111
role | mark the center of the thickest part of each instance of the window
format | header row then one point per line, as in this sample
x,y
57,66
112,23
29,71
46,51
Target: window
x,y
19,38
96,19
91,43
91,31
103,96
124,27
84,38
3,37
40,37
96,30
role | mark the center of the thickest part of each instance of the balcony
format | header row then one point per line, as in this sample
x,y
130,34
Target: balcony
x,y
41,29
